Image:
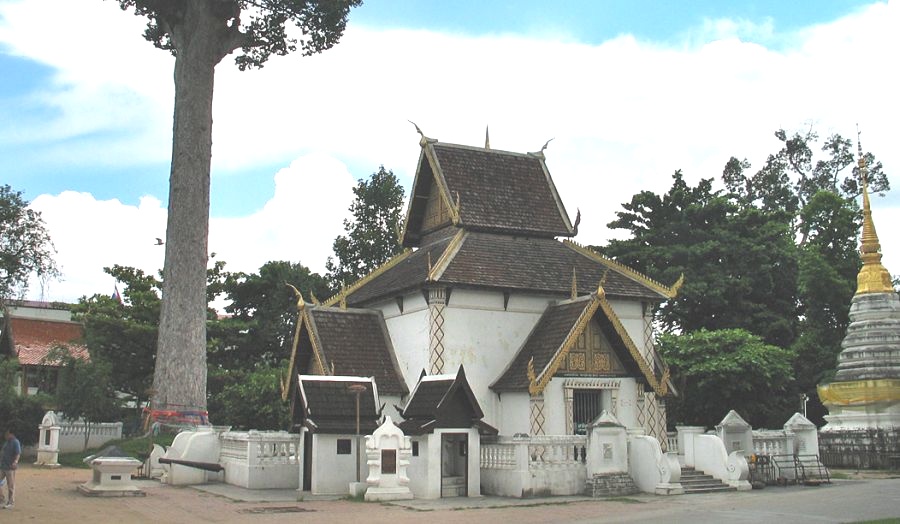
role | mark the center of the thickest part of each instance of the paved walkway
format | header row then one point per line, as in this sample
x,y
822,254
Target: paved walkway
x,y
49,496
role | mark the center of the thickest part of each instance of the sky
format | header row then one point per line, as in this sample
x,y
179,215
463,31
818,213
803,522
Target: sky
x,y
630,91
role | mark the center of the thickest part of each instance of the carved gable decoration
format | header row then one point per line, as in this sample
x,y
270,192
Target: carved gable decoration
x,y
580,337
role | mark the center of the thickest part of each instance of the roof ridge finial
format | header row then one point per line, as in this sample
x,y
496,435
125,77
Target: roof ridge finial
x,y
873,277
487,138
343,303
300,302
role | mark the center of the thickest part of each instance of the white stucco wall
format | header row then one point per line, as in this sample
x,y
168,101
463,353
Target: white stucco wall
x,y
631,314
409,334
513,415
417,470
333,473
483,337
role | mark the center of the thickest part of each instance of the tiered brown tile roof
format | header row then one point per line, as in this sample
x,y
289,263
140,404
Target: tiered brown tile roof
x,y
33,339
330,407
505,262
443,401
355,342
557,326
543,343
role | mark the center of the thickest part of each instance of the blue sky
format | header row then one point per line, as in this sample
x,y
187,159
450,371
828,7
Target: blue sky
x,y
631,91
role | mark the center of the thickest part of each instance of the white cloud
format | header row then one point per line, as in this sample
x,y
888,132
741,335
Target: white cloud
x,y
625,114
296,224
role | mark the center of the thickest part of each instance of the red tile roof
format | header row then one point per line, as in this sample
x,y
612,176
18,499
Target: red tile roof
x,y
33,339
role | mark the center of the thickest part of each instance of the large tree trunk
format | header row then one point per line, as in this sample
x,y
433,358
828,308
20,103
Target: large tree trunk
x,y
179,380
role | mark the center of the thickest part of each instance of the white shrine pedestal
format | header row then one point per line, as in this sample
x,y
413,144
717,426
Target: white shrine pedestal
x,y
112,478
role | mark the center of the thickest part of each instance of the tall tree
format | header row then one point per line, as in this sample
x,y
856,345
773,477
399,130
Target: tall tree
x,y
262,313
726,253
372,234
124,333
200,33
25,246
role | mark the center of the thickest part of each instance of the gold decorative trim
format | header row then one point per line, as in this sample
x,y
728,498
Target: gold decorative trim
x,y
435,272
632,348
438,174
286,385
336,298
860,392
314,341
667,291
537,384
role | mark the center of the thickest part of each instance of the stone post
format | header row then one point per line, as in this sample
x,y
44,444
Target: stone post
x,y
48,443
686,436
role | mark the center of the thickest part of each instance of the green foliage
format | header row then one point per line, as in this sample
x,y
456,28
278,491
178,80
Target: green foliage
x,y
739,264
21,414
25,246
371,237
248,399
263,312
124,334
716,371
85,390
775,254
259,28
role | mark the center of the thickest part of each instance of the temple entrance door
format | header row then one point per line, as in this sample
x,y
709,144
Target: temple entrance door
x,y
307,461
586,406
454,464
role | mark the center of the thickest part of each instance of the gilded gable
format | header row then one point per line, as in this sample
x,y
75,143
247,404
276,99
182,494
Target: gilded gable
x,y
437,213
591,354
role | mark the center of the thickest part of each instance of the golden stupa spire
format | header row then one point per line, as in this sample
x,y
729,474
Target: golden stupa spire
x,y
873,277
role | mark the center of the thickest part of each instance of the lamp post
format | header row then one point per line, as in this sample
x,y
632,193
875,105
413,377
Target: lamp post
x,y
357,389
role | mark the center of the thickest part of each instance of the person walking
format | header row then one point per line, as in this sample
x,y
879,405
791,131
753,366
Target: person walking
x,y
9,463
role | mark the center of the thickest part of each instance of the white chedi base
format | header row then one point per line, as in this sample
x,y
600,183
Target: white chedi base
x,y
868,417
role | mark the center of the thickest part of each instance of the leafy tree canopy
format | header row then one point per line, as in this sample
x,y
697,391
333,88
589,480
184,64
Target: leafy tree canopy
x,y
261,314
25,246
124,333
739,264
716,371
371,237
85,390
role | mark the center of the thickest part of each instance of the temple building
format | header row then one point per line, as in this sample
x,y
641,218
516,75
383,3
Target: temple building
x,y
550,333
864,395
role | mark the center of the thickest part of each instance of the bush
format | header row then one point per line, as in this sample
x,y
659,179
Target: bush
x,y
248,399
22,415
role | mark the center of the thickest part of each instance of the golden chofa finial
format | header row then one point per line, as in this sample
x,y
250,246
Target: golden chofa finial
x,y
300,302
873,277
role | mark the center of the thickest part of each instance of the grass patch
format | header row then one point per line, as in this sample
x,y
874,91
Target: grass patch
x,y
840,475
132,446
892,520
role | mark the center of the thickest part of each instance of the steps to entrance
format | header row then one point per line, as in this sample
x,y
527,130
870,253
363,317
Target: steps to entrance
x,y
453,487
694,481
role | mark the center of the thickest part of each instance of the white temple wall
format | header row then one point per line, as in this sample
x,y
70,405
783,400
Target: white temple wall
x,y
631,314
483,337
390,405
512,410
417,470
409,334
333,473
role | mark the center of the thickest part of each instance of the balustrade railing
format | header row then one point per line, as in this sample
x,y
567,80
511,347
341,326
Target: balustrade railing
x,y
772,442
261,447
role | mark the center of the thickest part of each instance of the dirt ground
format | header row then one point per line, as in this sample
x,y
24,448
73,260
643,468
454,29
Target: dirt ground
x,y
49,496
